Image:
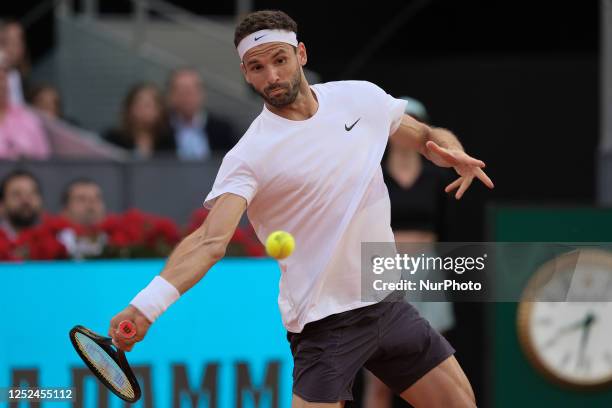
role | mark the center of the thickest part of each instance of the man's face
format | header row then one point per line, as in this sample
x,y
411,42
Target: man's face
x,y
85,204
186,94
274,70
22,202
48,102
13,43
145,110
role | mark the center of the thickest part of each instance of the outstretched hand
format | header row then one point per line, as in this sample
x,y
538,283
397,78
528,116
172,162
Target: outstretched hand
x,y
465,165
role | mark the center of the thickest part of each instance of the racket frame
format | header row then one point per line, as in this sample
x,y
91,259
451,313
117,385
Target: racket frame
x,y
106,343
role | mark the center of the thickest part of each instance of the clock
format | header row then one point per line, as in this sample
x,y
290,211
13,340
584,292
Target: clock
x,y
570,342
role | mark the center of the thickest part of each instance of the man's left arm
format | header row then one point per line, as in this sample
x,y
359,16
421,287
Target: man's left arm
x,y
443,148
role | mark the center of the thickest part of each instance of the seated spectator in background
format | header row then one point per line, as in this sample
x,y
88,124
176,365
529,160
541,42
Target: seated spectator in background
x,y
144,128
197,132
21,202
46,99
83,205
21,133
83,202
13,44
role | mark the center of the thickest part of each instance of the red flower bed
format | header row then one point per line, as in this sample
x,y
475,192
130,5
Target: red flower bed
x,y
243,243
133,234
40,242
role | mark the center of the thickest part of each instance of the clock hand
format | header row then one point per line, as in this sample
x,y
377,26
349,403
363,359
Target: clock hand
x,y
586,330
565,330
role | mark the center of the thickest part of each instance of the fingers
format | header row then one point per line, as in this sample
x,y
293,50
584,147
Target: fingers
x,y
114,325
464,182
464,186
470,161
123,343
453,185
482,176
120,340
442,152
466,159
454,157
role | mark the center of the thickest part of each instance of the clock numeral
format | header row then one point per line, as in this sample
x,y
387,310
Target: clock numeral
x,y
566,359
544,321
608,358
583,363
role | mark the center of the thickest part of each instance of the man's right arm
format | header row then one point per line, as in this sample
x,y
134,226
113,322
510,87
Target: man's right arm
x,y
190,261
200,250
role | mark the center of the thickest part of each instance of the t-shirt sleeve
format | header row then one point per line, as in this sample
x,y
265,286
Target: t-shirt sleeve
x,y
396,108
392,107
234,176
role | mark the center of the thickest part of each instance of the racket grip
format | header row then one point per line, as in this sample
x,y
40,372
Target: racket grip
x,y
127,329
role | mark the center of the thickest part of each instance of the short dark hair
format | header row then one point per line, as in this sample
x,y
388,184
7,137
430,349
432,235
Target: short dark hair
x,y
16,174
180,71
39,88
127,123
68,189
262,20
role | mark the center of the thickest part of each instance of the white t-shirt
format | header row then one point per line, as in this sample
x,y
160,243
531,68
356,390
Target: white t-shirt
x,y
323,184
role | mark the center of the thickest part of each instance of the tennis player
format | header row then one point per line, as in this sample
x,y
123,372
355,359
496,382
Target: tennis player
x,y
310,164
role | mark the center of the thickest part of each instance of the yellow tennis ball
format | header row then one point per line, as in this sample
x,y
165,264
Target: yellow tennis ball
x,y
280,244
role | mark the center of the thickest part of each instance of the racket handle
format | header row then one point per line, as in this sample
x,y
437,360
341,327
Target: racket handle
x,y
127,329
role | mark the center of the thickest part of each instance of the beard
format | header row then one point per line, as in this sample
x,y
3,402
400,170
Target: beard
x,y
22,218
292,89
90,218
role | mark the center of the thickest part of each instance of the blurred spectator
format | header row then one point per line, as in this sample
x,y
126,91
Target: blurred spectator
x,y
83,202
144,127
13,43
21,202
46,99
21,133
83,206
197,132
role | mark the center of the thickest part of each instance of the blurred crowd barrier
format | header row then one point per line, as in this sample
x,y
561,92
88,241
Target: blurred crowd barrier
x,y
168,188
150,207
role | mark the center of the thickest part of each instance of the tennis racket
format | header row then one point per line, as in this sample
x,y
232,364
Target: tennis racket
x,y
108,363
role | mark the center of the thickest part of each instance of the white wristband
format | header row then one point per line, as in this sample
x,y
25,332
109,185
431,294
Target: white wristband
x,y
153,300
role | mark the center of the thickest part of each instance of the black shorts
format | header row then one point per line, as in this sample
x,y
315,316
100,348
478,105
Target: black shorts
x,y
389,338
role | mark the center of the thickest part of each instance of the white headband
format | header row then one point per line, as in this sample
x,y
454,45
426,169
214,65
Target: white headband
x,y
265,36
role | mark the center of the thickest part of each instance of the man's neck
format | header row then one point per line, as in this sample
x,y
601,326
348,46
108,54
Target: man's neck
x,y
304,106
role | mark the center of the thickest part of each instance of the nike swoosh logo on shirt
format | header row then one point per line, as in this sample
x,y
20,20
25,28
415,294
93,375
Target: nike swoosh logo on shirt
x,y
260,37
348,128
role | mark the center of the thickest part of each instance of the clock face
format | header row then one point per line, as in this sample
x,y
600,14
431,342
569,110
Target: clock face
x,y
570,342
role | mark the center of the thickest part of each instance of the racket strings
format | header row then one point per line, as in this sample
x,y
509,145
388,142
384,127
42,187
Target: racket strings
x,y
104,365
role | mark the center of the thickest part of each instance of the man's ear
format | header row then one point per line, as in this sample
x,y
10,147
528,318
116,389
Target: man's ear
x,y
244,72
301,54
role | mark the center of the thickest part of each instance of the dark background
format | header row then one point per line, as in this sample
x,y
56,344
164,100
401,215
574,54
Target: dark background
x,y
517,81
